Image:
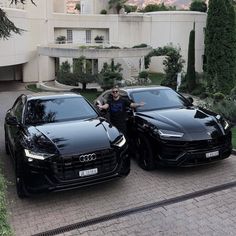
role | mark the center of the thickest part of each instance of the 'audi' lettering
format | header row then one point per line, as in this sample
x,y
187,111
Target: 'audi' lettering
x,y
88,157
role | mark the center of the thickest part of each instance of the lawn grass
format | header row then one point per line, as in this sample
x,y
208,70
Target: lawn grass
x,y
156,78
234,137
90,95
33,88
5,229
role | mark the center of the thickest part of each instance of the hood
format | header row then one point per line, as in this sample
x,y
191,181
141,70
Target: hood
x,y
194,123
76,137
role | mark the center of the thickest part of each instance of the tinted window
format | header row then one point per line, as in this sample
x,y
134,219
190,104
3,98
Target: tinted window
x,y
18,108
158,99
58,109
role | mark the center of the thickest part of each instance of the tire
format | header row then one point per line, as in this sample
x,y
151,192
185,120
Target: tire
x,y
6,145
20,186
144,153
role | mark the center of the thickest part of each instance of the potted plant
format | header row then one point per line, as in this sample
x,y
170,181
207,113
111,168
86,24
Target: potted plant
x,y
99,39
61,39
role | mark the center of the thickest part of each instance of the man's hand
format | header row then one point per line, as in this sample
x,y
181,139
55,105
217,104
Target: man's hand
x,y
141,104
135,105
100,106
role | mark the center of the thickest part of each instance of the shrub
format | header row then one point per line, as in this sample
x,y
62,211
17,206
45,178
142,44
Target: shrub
x,y
199,89
143,74
198,5
143,77
77,7
142,45
67,79
218,96
227,109
233,94
130,8
205,95
5,229
113,47
103,12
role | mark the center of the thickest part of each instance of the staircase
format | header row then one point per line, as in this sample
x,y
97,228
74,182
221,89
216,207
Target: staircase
x,y
130,69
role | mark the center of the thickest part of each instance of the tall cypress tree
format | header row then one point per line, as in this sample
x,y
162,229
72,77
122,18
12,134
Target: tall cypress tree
x,y
191,73
220,42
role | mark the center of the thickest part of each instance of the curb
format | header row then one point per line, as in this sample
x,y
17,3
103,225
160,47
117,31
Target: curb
x,y
234,152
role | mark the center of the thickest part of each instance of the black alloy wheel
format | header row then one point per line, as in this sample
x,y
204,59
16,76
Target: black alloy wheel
x,y
144,153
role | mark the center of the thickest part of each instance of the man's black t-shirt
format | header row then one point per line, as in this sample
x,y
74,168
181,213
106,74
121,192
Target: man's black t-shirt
x,y
117,111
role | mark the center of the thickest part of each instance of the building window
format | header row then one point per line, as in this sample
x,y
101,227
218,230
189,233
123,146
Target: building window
x,y
69,36
88,36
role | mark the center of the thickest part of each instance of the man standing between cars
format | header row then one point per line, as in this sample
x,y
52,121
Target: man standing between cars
x,y
117,109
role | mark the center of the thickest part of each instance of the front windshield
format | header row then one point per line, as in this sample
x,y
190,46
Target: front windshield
x,y
40,111
156,99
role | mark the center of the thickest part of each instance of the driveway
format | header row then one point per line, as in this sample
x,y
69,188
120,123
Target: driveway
x,y
181,201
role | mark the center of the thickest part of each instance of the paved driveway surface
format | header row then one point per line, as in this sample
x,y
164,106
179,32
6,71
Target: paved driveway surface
x,y
210,214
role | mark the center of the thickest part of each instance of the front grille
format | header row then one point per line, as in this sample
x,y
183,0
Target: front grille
x,y
173,150
67,168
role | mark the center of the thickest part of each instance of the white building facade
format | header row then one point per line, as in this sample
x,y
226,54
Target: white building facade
x,y
34,55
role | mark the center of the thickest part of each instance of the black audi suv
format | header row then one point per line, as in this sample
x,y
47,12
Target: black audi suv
x,y
59,141
170,130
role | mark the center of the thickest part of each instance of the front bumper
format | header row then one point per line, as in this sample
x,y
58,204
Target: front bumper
x,y
194,153
57,176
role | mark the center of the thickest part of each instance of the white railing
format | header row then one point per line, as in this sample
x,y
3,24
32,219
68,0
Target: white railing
x,y
101,43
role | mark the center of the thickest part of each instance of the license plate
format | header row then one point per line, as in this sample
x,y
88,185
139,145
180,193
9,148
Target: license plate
x,y
83,173
212,154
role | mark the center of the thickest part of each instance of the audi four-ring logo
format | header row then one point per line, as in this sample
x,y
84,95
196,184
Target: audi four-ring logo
x,y
88,157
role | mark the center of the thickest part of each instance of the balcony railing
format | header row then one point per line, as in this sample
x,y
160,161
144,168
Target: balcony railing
x,y
98,44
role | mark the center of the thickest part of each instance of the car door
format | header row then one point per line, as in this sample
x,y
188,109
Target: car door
x,y
13,130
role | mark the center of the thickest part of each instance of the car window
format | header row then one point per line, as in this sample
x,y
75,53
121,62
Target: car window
x,y
17,108
58,109
108,94
158,99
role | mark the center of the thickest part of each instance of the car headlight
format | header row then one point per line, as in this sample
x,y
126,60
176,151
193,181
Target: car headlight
x,y
225,124
37,155
120,142
170,134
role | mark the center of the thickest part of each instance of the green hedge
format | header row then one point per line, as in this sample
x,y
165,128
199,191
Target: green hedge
x,y
5,229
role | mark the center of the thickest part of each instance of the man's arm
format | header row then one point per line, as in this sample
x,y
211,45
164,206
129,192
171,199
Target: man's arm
x,y
103,107
135,105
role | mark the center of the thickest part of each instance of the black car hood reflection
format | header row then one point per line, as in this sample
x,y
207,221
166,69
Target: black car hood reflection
x,y
79,136
194,123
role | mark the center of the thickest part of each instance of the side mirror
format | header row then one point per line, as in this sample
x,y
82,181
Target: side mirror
x,y
11,120
190,99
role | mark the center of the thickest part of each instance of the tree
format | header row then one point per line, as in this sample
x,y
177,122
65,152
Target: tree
x,y
130,8
198,5
64,74
7,27
82,70
158,7
77,6
110,74
191,73
220,46
173,63
117,4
